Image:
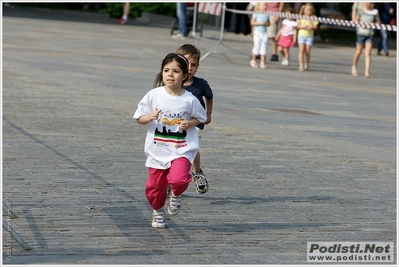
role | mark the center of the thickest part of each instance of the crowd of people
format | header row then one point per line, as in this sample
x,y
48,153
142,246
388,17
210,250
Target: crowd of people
x,y
301,32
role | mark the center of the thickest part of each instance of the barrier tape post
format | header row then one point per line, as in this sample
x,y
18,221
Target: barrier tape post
x,y
209,17
338,22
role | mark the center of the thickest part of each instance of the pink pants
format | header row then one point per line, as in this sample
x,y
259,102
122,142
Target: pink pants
x,y
178,176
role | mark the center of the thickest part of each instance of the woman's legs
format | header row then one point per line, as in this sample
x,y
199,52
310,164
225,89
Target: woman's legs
x,y
383,45
367,53
358,52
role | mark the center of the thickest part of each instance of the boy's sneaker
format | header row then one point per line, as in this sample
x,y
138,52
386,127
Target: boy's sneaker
x,y
201,184
174,205
158,219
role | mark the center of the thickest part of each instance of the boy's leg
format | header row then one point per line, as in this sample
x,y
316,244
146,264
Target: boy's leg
x,y
201,184
156,187
197,163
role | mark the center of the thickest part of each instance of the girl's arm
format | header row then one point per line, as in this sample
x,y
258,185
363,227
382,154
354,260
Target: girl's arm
x,y
278,34
294,37
354,8
185,125
145,119
253,21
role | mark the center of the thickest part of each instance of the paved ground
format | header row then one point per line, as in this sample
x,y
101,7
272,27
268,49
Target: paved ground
x,y
291,157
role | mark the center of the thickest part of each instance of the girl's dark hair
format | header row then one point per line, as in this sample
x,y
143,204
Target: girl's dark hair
x,y
181,62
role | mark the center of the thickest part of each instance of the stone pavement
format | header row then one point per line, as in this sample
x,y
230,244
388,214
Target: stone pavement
x,y
291,157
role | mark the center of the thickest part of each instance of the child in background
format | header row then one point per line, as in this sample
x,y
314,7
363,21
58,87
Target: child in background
x,y
171,144
306,29
287,36
200,89
259,22
365,37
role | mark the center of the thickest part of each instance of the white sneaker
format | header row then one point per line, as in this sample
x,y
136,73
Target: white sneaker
x,y
285,62
174,205
158,219
178,36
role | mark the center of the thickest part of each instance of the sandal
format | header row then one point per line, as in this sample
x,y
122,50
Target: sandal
x,y
263,65
300,68
354,71
253,64
367,75
306,67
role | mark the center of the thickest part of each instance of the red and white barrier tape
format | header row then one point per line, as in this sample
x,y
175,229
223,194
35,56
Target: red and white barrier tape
x,y
339,22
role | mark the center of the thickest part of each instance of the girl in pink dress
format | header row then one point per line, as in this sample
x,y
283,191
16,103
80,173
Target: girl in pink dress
x,y
287,36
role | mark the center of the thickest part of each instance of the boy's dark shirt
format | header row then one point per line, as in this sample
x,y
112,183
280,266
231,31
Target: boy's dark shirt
x,y
200,88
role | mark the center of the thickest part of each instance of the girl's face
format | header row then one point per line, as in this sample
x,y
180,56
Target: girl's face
x,y
172,75
262,6
289,17
192,65
308,11
367,5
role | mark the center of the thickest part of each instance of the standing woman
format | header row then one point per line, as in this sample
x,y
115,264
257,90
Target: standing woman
x,y
365,37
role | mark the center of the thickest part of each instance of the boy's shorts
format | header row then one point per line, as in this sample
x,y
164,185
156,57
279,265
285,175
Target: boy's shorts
x,y
361,40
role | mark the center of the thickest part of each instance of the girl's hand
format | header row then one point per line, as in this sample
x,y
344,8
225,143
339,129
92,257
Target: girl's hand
x,y
154,114
184,125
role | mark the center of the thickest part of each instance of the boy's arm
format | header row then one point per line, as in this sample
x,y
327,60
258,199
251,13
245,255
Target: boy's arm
x,y
209,107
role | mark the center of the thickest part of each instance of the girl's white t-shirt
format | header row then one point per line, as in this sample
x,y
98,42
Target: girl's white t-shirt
x,y
288,27
165,141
